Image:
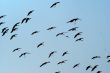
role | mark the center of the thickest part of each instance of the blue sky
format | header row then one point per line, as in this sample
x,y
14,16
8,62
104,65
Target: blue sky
x,y
94,24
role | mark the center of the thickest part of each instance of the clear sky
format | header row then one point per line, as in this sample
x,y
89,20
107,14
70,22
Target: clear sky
x,y
94,23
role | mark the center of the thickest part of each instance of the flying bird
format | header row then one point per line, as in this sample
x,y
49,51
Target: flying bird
x,y
95,57
99,71
61,62
94,67
23,20
108,56
40,44
44,63
51,28
5,31
13,36
62,33
34,32
54,4
23,54
51,54
30,12
66,52
27,19
79,39
88,67
14,28
17,49
58,72
2,16
77,34
73,29
76,65
2,23
73,20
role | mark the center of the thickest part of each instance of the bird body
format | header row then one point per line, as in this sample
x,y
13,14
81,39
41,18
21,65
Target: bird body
x,y
34,32
16,49
51,54
73,20
61,62
66,52
23,54
76,65
99,71
62,33
2,16
79,39
40,44
13,36
77,34
51,28
44,63
4,29
2,23
54,4
95,57
73,29
94,67
88,67
30,12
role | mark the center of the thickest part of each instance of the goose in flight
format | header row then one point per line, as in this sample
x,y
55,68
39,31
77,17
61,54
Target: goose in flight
x,y
108,61
35,32
25,20
30,12
66,52
95,57
51,54
88,67
2,23
79,39
54,4
50,28
73,29
62,33
5,31
108,56
17,49
94,67
44,63
40,44
61,62
2,16
14,28
77,34
73,20
23,54
99,71
76,65
13,36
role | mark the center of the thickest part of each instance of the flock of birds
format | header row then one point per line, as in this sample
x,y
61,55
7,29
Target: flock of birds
x,y
26,20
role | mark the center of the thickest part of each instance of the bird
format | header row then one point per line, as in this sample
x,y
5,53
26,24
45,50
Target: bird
x,y
62,33
27,19
44,63
88,67
108,56
4,29
61,62
30,12
23,54
94,67
79,39
58,72
99,71
79,33
2,16
108,61
73,29
13,36
2,23
76,65
50,28
23,20
66,52
14,28
34,32
40,44
5,32
54,4
95,57
51,54
16,49
73,20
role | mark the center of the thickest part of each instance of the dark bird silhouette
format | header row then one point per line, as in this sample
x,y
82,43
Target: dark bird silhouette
x,y
99,71
66,52
40,44
76,65
88,67
5,31
77,34
13,36
51,28
14,28
61,62
62,33
17,49
23,20
73,29
51,54
23,54
35,32
44,63
95,57
2,16
27,19
58,72
2,23
54,4
108,61
94,67
30,12
79,39
108,56
73,20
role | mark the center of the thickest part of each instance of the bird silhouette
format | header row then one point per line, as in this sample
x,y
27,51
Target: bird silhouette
x,y
13,36
44,63
5,31
61,62
108,56
17,49
2,23
51,54
54,4
40,44
2,16
30,12
23,20
27,19
58,72
76,65
99,71
73,20
88,67
50,28
73,29
108,61
66,52
77,34
14,28
62,33
79,39
34,32
95,57
94,67
23,54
